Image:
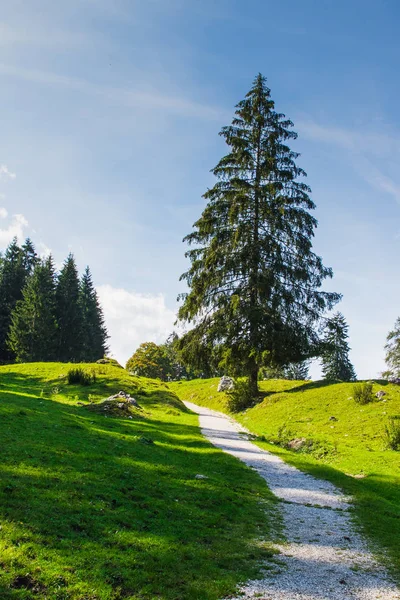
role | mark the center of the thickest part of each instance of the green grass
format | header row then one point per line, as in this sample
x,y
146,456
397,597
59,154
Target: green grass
x,y
339,450
96,508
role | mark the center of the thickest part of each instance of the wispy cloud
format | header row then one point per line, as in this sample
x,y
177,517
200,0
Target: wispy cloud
x,y
12,35
43,250
130,98
5,172
366,149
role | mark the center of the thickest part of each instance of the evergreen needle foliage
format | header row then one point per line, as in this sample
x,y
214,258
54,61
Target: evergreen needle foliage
x,y
94,333
44,316
336,365
392,348
16,266
33,331
69,315
254,281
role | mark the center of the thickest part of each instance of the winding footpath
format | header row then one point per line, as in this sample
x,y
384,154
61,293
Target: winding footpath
x,y
324,557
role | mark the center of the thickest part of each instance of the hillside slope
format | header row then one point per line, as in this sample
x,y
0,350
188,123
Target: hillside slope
x,y
345,443
98,508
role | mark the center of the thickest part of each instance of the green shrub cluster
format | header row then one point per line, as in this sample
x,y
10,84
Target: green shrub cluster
x,y
362,393
79,376
240,397
392,433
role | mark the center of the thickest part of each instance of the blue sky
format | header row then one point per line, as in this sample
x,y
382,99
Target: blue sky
x,y
110,119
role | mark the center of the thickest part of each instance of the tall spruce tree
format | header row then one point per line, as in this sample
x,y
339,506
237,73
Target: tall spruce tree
x,y
29,257
12,280
392,348
33,330
254,280
94,332
335,360
69,313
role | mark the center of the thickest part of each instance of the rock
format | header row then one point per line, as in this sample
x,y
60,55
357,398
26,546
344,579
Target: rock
x,y
125,397
118,405
297,443
332,418
201,476
225,384
380,394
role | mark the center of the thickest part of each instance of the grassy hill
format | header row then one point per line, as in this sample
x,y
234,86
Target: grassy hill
x,y
94,507
344,443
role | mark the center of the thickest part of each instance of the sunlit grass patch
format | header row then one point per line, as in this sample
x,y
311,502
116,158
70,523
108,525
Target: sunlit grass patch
x,y
95,507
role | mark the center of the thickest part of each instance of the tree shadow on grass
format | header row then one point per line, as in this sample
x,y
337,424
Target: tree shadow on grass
x,y
94,507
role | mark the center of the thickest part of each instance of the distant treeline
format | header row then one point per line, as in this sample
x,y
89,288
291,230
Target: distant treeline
x,y
45,315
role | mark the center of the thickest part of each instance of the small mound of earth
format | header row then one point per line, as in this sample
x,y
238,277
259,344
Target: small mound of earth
x,y
118,405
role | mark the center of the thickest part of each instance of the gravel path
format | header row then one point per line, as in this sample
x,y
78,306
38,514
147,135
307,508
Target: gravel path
x,y
325,558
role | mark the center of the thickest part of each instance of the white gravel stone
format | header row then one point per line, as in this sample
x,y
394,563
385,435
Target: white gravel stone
x,y
324,558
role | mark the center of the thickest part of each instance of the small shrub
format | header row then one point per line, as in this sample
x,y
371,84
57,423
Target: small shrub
x,y
239,398
79,376
392,433
362,393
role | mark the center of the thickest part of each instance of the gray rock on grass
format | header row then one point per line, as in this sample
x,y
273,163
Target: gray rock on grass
x,y
225,384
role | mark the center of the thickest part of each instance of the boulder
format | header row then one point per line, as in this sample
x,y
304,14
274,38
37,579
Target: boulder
x,y
118,405
226,384
297,443
380,394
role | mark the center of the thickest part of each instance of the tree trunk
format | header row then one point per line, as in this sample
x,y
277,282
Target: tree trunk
x,y
253,380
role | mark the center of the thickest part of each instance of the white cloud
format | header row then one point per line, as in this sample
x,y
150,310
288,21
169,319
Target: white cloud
x,y
5,171
43,250
16,228
3,213
134,318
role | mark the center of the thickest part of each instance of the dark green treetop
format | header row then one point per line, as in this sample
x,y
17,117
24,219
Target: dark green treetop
x,y
12,280
29,257
336,365
33,331
94,332
68,311
254,282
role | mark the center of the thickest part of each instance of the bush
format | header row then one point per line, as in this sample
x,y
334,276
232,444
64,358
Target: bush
x,y
79,376
392,433
362,393
240,398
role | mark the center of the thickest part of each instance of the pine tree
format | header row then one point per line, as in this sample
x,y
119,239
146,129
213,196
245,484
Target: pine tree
x,y
29,257
94,332
336,365
297,371
254,280
392,348
12,280
33,330
69,313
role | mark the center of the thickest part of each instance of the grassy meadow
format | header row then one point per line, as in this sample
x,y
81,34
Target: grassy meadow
x,y
95,507
345,444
